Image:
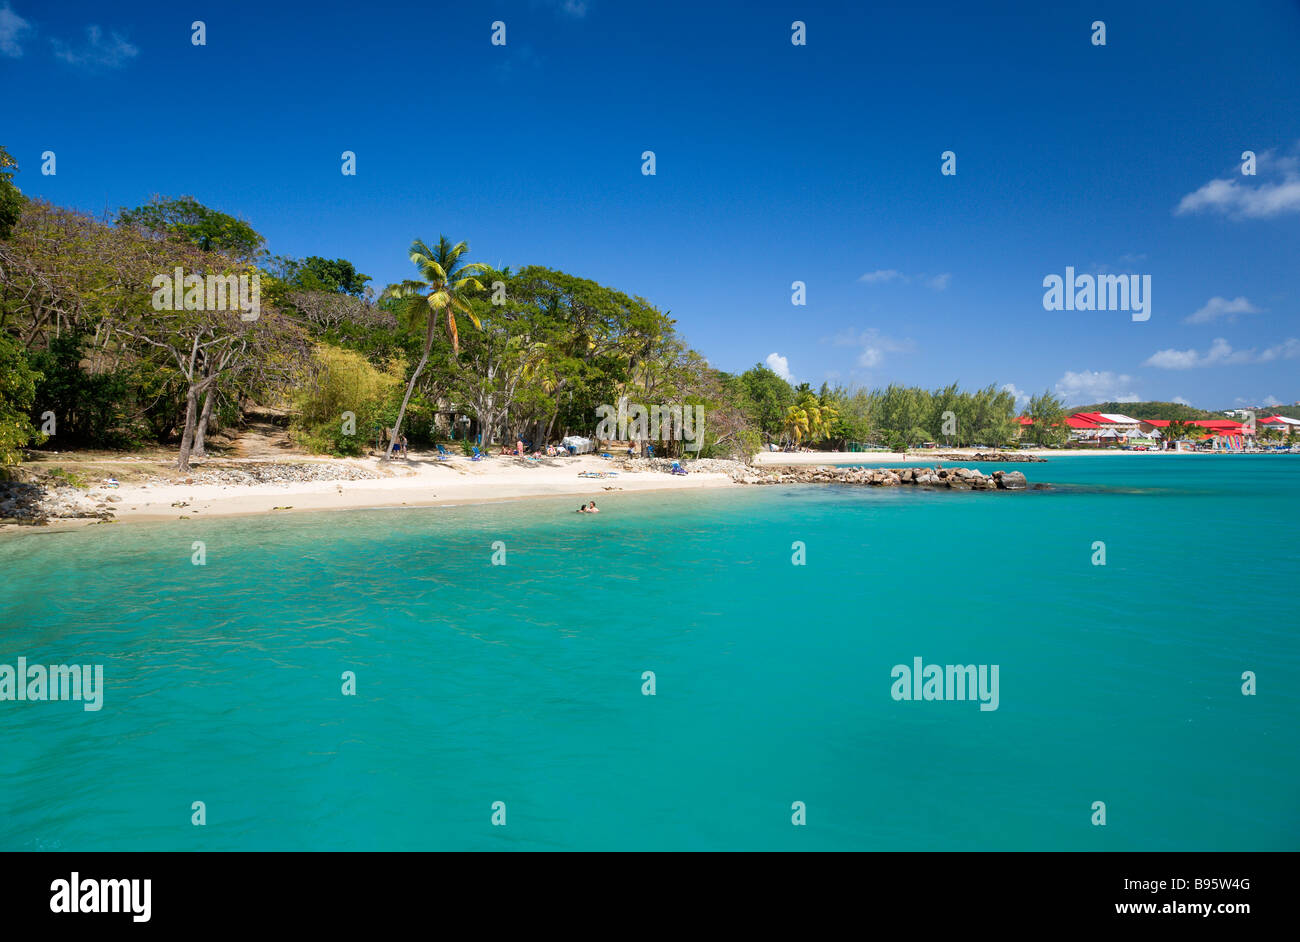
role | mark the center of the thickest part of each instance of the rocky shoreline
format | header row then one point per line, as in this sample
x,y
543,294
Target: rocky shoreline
x,y
946,478
35,504
44,497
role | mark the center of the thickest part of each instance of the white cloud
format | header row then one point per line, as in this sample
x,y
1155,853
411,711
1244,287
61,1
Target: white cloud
x,y
881,276
780,366
1271,401
1288,349
1095,386
1218,307
1022,397
874,345
1240,197
1181,401
13,29
1221,353
885,275
98,52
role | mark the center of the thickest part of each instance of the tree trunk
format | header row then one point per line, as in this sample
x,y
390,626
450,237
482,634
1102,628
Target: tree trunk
x,y
205,417
187,436
410,388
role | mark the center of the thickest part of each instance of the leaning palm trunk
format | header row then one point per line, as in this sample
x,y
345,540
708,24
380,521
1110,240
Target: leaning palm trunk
x,y
410,388
445,278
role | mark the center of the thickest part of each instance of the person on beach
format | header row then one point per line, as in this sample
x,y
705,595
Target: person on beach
x,y
519,448
592,508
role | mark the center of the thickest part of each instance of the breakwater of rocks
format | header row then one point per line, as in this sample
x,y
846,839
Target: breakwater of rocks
x,y
995,456
957,479
968,479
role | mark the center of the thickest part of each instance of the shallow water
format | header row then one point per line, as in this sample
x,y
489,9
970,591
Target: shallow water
x,y
523,683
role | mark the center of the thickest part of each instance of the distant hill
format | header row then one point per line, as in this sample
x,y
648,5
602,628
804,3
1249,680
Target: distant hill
x,y
1150,410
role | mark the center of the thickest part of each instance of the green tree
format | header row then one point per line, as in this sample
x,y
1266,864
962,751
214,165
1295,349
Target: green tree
x,y
17,394
91,406
767,399
314,273
446,281
208,229
11,198
1047,413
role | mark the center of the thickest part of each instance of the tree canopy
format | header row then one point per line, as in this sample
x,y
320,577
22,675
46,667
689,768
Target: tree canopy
x,y
206,229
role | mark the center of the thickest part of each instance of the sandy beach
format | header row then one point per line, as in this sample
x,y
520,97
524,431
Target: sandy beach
x,y
146,494
420,482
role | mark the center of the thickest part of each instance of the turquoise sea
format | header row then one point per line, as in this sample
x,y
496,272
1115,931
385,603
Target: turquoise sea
x,y
522,683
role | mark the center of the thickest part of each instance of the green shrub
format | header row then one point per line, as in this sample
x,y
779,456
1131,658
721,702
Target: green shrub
x,y
17,393
343,381
68,477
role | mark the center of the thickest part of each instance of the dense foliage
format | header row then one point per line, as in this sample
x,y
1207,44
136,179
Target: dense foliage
x,y
462,351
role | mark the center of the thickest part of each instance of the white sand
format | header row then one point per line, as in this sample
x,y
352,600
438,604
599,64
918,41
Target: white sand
x,y
418,483
426,482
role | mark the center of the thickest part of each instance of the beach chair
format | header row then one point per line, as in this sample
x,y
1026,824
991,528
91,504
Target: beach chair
x,y
442,453
650,451
677,468
478,455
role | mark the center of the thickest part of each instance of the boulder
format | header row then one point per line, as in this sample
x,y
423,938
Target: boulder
x,y
1011,480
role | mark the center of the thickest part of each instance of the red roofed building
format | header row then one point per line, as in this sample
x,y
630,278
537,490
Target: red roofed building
x,y
1280,423
1219,431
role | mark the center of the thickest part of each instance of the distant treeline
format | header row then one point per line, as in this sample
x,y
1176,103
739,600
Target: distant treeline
x,y
90,358
1169,411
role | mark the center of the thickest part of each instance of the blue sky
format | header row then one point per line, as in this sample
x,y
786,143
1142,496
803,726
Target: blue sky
x,y
775,163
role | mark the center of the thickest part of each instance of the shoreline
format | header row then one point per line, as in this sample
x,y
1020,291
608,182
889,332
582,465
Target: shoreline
x,y
419,484
425,482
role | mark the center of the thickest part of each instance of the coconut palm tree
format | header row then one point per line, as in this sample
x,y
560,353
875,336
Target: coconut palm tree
x,y
1177,429
796,423
445,280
